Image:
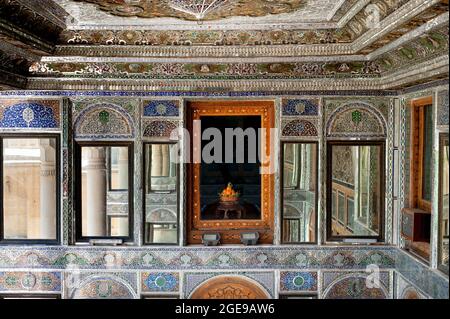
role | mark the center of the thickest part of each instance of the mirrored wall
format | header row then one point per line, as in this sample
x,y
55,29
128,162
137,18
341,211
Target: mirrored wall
x,y
29,188
299,192
355,190
161,193
106,191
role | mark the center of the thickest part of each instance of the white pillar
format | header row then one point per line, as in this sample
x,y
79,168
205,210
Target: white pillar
x,y
123,184
123,168
96,191
48,191
156,160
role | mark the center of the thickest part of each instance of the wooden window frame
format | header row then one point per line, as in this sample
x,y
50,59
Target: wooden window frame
x,y
57,240
381,214
230,230
144,195
417,154
316,204
78,205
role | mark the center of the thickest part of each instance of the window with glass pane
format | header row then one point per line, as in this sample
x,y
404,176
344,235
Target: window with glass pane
x,y
105,210
161,194
299,192
29,175
443,201
356,175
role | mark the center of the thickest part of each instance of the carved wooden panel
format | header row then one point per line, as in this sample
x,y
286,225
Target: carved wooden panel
x,y
230,229
229,287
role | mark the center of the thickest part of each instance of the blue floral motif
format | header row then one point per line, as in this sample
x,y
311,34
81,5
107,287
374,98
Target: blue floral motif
x,y
298,281
162,108
161,282
300,107
28,115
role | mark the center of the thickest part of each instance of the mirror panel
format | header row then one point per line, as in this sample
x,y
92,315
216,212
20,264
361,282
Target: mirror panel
x,y
356,190
29,172
299,192
443,202
161,194
105,191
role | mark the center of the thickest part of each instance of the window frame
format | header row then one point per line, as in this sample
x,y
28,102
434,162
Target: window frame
x,y
329,188
144,193
316,205
443,140
417,147
57,240
78,204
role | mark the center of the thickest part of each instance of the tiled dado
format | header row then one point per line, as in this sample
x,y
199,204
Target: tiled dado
x,y
200,258
430,281
129,272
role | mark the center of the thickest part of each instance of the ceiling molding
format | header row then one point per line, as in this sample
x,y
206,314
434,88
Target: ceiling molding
x,y
426,71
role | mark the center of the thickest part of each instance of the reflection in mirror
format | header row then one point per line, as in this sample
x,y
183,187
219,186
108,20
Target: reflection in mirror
x,y
356,190
299,192
105,213
443,201
161,194
29,188
118,169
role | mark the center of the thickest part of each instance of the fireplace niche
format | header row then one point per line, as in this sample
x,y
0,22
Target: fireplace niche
x,y
230,197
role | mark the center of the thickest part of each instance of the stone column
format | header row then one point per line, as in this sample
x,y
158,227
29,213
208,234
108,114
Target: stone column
x,y
48,190
96,191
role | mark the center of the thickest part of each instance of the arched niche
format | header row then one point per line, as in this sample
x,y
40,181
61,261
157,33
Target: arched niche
x,y
104,121
356,120
354,287
103,287
230,287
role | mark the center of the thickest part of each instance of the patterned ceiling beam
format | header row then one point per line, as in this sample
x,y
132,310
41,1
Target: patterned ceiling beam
x,y
426,71
245,44
439,21
428,46
17,14
10,80
290,52
407,12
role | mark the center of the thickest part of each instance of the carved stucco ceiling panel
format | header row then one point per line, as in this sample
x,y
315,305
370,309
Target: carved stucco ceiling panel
x,y
136,12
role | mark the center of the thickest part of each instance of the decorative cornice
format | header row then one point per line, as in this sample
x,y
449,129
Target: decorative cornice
x,y
427,71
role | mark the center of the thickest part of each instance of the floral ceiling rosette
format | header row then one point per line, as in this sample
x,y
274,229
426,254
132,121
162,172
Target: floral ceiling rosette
x,y
196,9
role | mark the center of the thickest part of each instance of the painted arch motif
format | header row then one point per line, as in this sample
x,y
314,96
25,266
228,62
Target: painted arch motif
x,y
354,287
230,287
103,287
356,120
102,121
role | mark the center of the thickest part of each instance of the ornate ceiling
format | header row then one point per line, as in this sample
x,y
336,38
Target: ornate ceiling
x,y
223,44
194,9
117,13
